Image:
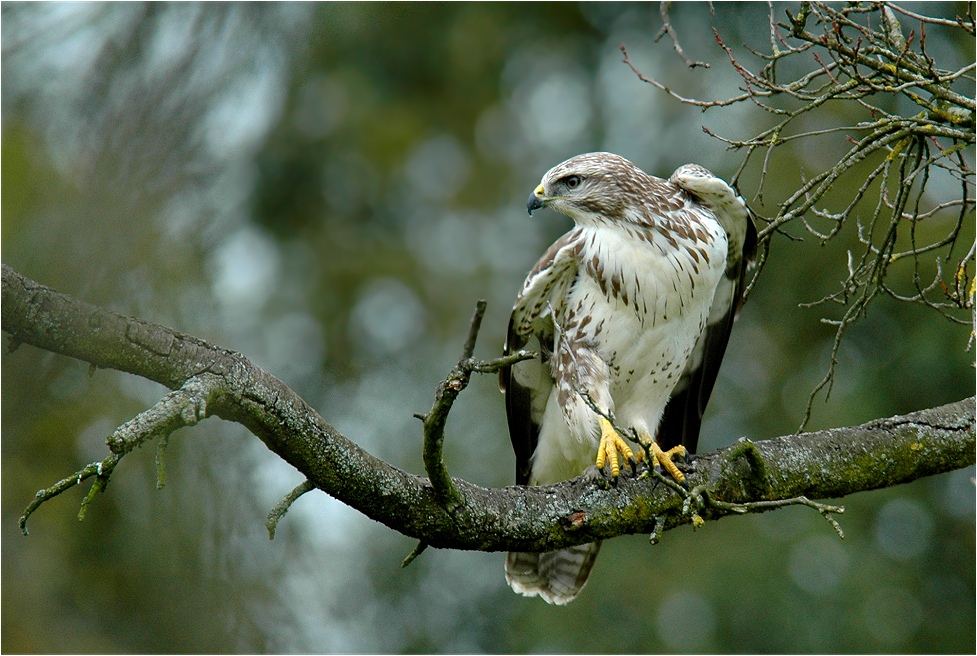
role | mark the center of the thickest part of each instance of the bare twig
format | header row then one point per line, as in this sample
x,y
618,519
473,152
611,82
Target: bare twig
x,y
826,510
444,398
667,28
275,514
964,23
444,489
101,470
414,553
704,104
179,408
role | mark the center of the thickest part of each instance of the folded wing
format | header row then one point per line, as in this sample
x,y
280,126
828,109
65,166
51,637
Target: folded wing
x,y
682,418
527,385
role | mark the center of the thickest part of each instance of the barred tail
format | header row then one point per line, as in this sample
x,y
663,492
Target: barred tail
x,y
556,576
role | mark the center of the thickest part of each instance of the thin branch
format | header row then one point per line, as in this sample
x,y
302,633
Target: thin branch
x,y
101,470
418,549
826,510
960,22
445,396
704,104
667,28
276,514
160,461
444,489
182,407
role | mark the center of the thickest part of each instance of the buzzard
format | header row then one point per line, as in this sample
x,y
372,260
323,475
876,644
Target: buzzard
x,y
632,309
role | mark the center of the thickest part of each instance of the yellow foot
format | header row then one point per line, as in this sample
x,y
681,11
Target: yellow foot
x,y
610,444
664,458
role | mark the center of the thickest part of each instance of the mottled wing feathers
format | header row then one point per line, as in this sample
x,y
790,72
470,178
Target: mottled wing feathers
x,y
544,283
527,384
682,418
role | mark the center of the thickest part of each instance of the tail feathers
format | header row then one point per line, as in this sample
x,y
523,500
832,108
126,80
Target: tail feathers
x,y
556,576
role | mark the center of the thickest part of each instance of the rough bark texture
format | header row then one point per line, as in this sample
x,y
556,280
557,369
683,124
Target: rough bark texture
x,y
216,381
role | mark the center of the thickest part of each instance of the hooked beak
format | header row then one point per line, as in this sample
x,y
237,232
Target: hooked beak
x,y
535,200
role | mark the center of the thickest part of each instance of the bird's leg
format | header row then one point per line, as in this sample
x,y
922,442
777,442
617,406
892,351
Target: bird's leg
x,y
610,444
661,457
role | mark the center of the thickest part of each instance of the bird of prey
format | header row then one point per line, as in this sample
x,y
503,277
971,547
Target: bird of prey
x,y
632,310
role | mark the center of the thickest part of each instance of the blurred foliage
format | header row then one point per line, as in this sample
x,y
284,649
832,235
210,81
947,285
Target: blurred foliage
x,y
328,188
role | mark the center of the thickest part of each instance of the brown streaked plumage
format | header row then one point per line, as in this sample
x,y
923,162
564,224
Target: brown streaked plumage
x,y
631,307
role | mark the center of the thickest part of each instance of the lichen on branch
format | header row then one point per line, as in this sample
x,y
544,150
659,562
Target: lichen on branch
x,y
210,381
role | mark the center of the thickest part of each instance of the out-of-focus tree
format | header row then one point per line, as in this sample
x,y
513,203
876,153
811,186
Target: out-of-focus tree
x,y
210,156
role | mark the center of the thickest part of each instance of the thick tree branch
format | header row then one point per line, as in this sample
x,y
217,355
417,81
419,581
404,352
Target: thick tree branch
x,y
214,381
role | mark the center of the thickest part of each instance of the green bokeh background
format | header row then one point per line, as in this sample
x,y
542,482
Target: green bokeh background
x,y
328,188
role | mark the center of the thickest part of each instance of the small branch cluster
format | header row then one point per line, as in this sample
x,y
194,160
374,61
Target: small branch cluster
x,y
826,510
445,491
705,498
858,53
183,407
447,391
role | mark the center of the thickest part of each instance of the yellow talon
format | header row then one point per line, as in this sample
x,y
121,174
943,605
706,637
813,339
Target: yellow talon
x,y
610,444
664,458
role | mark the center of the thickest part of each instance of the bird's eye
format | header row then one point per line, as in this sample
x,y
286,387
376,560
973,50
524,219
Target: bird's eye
x,y
572,181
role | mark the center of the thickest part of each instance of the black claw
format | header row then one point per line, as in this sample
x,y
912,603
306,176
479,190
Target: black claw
x,y
686,466
638,466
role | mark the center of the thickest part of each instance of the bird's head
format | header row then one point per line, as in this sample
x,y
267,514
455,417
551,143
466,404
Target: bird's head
x,y
588,186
